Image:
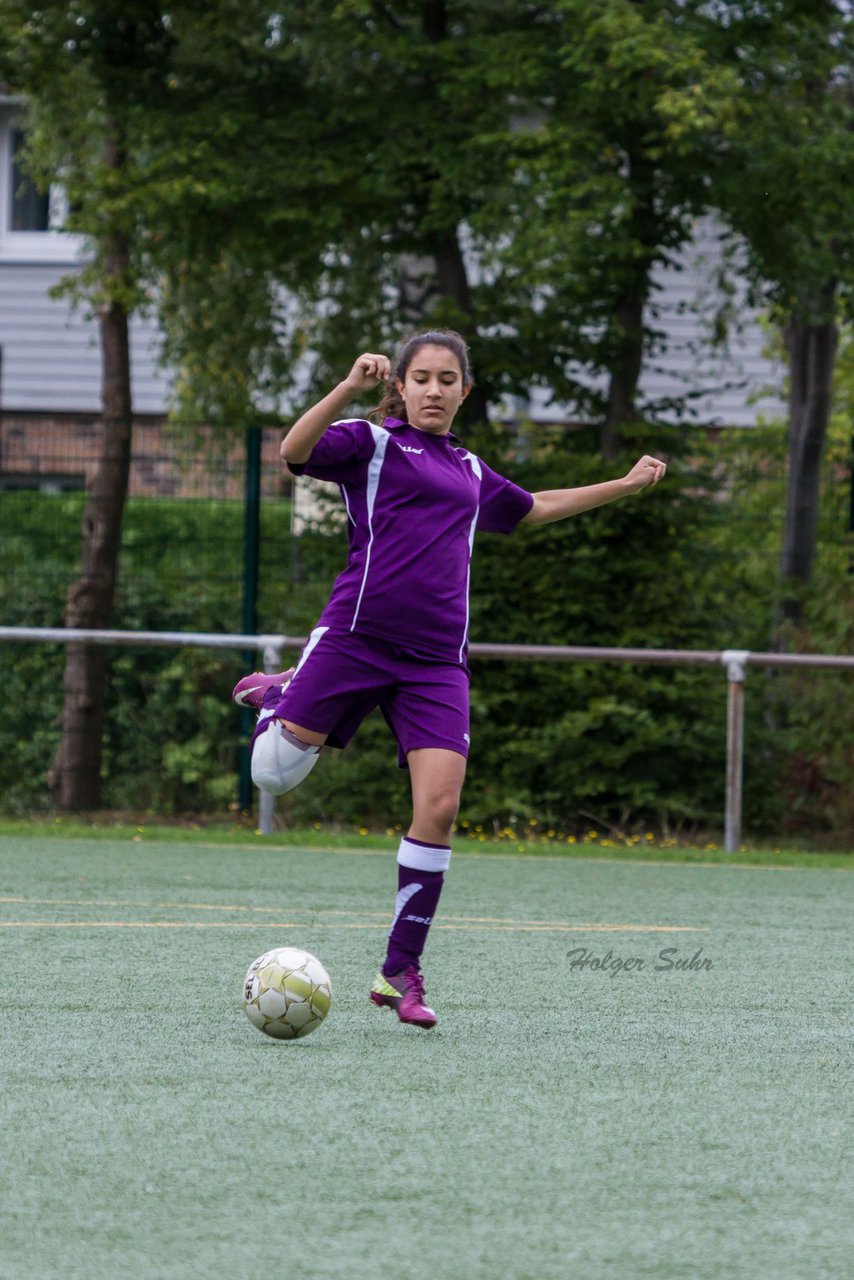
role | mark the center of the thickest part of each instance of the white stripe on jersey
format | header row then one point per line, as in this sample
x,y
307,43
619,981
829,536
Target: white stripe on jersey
x,y
375,466
317,634
475,466
346,422
343,490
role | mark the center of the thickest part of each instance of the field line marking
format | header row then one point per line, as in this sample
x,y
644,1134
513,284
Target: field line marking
x,y
508,927
447,921
172,924
88,902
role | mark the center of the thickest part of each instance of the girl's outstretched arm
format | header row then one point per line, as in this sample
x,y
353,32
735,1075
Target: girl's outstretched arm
x,y
557,504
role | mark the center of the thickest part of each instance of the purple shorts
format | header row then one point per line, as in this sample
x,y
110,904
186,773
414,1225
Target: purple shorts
x,y
341,677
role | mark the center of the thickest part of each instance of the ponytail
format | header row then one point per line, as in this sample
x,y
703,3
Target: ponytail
x,y
391,405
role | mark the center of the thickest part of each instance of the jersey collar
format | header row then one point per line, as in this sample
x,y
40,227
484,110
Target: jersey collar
x,y
397,424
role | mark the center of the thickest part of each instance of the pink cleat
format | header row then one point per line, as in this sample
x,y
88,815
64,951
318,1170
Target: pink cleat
x,y
404,992
250,691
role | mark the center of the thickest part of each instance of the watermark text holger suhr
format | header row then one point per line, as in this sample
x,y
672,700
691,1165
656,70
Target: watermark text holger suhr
x,y
668,960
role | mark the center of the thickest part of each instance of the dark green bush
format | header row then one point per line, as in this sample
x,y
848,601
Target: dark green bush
x,y
690,565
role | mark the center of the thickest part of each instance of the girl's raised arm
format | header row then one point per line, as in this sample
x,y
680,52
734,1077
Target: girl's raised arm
x,y
368,371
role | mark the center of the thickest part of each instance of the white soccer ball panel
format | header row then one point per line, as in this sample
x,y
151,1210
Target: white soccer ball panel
x,y
254,1015
316,973
272,1003
279,1030
298,1015
271,975
310,1026
290,958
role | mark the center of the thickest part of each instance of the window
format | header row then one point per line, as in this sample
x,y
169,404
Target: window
x,y
29,219
29,207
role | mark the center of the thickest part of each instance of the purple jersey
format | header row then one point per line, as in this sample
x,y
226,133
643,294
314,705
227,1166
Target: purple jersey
x,y
414,502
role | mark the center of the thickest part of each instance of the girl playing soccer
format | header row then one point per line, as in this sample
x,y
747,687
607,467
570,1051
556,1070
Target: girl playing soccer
x,y
394,633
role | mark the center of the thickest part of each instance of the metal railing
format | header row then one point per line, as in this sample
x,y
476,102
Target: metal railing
x,y
271,648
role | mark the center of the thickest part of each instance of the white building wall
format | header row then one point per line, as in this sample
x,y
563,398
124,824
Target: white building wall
x,y
50,354
51,358
741,380
735,384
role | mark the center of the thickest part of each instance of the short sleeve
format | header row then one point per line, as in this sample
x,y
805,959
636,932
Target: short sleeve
x,y
339,453
502,503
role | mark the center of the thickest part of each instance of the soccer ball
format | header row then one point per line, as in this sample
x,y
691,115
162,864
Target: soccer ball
x,y
286,993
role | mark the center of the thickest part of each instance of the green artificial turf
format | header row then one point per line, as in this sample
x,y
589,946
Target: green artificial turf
x,y
561,1121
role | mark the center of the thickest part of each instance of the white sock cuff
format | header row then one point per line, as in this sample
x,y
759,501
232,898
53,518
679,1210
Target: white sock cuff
x,y
423,857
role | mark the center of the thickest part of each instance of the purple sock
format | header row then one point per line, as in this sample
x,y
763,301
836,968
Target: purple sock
x,y
418,891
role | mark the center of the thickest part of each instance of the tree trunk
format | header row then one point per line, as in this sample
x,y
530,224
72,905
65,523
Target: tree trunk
x,y
643,237
811,337
454,284
423,279
76,774
440,271
625,374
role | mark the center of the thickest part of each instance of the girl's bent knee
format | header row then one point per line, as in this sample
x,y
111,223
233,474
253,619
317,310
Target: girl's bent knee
x,y
280,763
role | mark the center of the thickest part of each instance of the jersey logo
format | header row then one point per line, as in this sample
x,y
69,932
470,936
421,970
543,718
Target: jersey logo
x,y
407,448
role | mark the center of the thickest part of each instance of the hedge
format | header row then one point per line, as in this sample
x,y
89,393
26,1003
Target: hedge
x,y
690,565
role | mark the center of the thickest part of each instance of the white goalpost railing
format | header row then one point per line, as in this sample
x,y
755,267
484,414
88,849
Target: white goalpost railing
x,y
272,647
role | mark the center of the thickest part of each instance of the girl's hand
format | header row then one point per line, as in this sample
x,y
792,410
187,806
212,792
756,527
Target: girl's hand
x,y
368,372
646,472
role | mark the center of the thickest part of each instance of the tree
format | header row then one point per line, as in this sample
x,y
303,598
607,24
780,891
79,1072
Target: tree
x,y
529,176
423,77
157,119
783,183
87,70
609,185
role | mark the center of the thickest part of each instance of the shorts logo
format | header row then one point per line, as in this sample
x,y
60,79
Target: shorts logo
x,y
466,738
407,448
